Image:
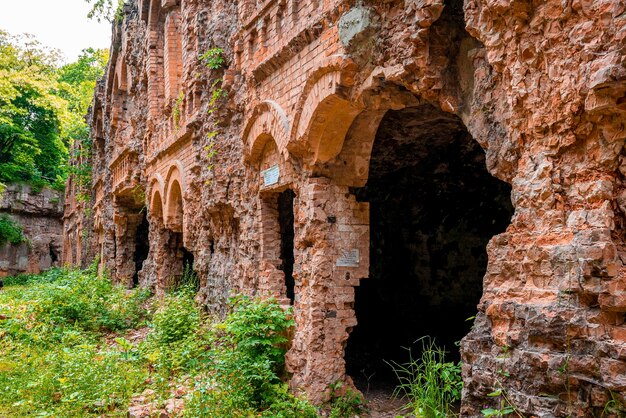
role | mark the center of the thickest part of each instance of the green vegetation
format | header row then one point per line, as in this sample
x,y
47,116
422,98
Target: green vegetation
x,y
109,10
72,344
213,58
431,384
10,231
42,109
350,404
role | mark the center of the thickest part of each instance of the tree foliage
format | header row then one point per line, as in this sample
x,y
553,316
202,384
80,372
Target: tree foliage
x,y
109,10
42,108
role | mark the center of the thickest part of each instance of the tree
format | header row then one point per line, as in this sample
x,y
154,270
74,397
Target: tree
x,y
42,108
109,10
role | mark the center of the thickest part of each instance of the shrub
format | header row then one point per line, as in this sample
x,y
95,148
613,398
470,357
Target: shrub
x,y
84,300
431,384
176,318
178,340
348,405
246,365
251,352
10,231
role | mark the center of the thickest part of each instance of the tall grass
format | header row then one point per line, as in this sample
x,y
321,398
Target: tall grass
x,y
430,384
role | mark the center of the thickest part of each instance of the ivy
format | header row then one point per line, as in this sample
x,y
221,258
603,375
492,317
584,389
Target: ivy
x,y
214,60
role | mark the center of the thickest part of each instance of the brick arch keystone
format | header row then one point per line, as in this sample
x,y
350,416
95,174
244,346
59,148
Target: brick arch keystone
x,y
324,111
268,121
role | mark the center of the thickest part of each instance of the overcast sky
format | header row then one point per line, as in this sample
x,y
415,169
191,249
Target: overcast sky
x,y
61,24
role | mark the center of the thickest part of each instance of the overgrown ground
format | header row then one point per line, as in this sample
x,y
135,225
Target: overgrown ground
x,y
73,345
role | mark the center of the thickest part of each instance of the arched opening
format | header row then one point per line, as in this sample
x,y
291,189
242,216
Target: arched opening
x,y
142,246
178,264
174,215
173,57
433,208
54,257
156,82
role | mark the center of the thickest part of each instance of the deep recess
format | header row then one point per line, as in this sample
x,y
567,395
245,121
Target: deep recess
x,y
285,220
142,247
433,208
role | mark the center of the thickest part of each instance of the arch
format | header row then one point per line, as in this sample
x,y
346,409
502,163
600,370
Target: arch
x,y
157,191
351,165
154,13
121,74
156,204
268,120
174,207
175,172
97,222
433,207
172,53
324,111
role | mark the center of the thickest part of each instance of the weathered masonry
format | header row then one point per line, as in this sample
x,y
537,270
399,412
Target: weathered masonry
x,y
38,213
390,168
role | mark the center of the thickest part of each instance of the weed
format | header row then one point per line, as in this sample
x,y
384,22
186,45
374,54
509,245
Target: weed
x,y
213,58
614,407
176,110
504,408
348,405
430,383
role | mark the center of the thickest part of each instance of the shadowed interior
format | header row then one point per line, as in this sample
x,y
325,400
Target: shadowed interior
x,y
433,209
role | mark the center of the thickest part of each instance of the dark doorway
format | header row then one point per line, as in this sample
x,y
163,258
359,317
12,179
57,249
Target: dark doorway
x,y
433,208
183,268
53,255
285,220
142,247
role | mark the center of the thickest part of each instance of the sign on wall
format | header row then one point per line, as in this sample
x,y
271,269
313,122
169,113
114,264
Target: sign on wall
x,y
348,258
271,176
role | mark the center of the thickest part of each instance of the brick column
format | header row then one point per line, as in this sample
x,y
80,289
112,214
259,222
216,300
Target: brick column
x,y
330,229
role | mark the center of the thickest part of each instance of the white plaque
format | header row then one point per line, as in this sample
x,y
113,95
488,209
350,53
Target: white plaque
x,y
271,175
348,258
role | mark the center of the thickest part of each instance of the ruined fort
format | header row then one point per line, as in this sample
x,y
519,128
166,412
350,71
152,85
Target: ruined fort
x,y
388,167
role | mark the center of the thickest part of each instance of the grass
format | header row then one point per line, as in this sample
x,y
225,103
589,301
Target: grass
x,y
430,384
54,361
69,348
74,345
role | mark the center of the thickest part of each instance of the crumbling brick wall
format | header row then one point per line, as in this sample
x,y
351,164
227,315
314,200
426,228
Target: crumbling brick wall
x,y
540,86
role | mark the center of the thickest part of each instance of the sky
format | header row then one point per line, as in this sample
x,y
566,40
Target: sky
x,y
60,24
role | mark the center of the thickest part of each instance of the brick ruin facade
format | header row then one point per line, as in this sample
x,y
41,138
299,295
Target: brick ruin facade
x,y
386,167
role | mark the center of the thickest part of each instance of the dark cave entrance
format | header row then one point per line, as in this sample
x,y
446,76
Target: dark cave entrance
x,y
183,268
285,222
142,246
54,257
433,208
